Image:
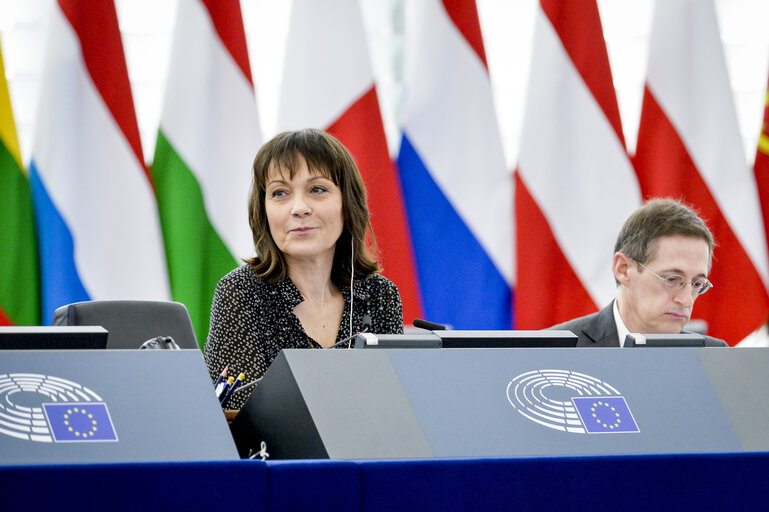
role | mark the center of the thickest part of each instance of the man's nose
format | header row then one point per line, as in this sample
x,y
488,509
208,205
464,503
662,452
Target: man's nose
x,y
685,296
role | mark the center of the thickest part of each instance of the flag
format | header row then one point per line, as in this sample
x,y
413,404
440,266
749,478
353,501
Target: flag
x,y
80,421
328,83
761,166
208,137
456,184
575,184
760,338
18,249
97,222
605,414
689,148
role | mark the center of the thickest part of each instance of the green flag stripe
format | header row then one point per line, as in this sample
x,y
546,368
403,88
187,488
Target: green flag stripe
x,y
197,256
19,285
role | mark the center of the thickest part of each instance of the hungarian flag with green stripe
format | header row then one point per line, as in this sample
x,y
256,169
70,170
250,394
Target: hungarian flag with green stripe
x,y
208,137
19,302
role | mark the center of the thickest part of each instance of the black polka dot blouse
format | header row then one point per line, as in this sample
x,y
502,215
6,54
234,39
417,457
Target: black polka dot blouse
x,y
253,320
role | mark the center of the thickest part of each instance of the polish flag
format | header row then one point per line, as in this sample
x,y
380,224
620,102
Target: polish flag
x,y
575,183
97,220
328,83
457,187
689,148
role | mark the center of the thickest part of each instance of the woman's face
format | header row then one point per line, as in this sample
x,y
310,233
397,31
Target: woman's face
x,y
304,213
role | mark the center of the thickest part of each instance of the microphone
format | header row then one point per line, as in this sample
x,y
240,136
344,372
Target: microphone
x,y
430,326
365,323
342,342
365,326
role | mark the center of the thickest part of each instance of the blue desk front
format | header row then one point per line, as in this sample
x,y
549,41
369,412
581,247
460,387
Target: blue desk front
x,y
612,483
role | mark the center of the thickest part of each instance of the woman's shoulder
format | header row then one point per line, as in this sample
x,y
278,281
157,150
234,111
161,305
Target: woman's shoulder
x,y
377,283
241,274
241,278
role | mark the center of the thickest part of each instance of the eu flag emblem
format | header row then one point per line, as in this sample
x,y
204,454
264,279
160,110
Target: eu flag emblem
x,y
84,421
605,414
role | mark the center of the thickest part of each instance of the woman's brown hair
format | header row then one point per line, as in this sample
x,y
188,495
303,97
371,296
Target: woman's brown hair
x,y
326,156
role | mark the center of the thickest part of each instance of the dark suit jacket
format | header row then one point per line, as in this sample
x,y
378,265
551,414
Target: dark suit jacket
x,y
599,330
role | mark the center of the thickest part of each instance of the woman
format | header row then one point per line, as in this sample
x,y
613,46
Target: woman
x,y
308,216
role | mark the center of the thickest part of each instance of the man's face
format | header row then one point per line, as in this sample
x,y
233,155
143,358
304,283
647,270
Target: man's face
x,y
645,305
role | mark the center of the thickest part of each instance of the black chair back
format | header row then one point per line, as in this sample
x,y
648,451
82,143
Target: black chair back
x,y
131,322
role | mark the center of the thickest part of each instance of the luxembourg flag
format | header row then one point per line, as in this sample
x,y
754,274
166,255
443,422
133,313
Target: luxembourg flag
x,y
328,84
575,183
208,137
99,235
458,191
689,147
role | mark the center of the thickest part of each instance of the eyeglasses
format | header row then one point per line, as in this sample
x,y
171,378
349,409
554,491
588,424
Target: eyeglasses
x,y
675,282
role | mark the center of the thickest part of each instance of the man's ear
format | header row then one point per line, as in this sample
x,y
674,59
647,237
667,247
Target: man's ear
x,y
621,265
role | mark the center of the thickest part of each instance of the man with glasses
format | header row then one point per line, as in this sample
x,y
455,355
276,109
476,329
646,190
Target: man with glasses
x,y
661,262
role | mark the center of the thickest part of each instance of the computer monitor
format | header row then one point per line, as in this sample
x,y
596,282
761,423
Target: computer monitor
x,y
469,339
635,339
53,338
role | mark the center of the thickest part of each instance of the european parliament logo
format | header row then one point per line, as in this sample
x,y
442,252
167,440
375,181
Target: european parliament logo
x,y
571,402
46,409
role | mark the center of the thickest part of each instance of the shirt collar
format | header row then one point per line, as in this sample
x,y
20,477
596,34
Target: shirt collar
x,y
360,292
622,330
289,292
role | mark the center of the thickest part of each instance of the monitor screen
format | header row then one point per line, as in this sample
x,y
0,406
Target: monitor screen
x,y
469,339
53,338
635,339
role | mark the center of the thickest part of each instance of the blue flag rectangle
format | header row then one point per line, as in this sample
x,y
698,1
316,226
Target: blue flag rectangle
x,y
84,421
606,414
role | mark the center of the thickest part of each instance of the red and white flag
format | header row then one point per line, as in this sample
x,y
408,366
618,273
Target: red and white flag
x,y
328,83
689,148
575,184
761,166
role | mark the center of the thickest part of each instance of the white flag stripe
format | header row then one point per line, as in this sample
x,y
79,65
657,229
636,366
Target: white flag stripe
x,y
476,179
696,104
210,119
321,84
571,155
95,180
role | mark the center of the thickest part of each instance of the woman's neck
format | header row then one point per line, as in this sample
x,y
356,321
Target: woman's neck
x,y
313,279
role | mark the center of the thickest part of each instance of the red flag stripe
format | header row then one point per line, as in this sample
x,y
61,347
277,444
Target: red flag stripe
x,y
228,23
761,168
4,319
465,18
578,25
559,300
738,302
97,29
361,132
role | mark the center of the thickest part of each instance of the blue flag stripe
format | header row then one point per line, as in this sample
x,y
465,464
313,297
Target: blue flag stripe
x,y
460,284
60,281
